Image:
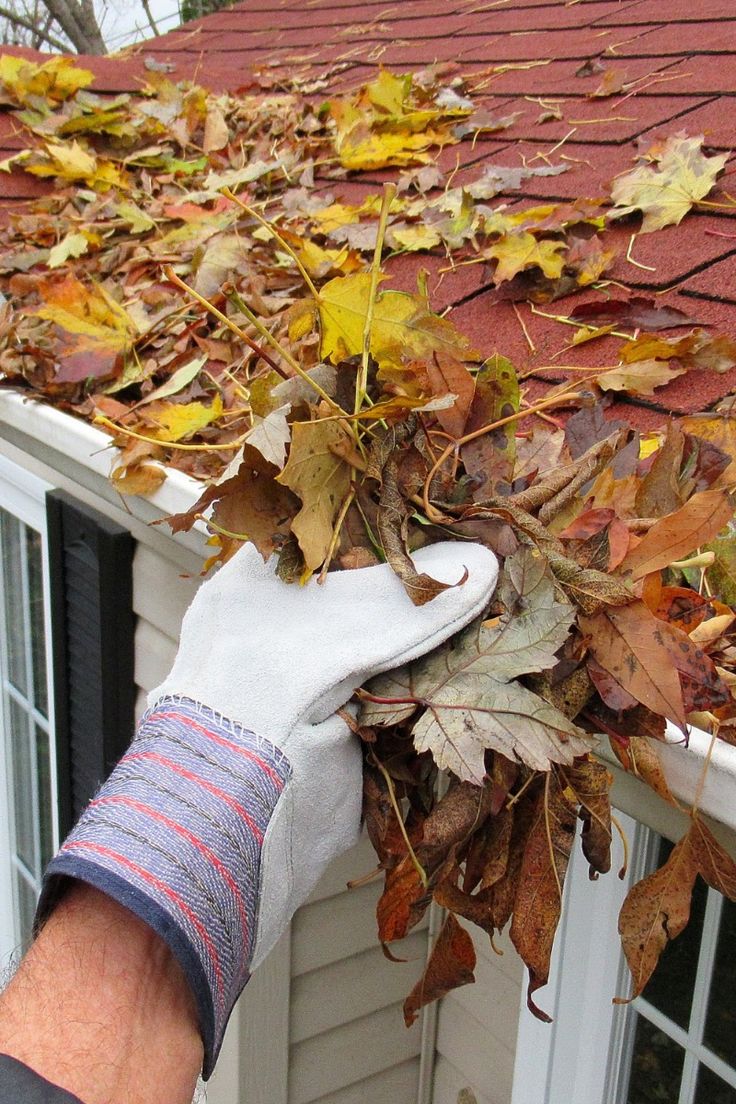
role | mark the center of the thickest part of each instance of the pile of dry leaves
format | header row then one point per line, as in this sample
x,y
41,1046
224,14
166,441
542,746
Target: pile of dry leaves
x,y
192,286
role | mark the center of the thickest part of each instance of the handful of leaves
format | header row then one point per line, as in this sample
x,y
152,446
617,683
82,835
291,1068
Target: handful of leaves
x,y
346,422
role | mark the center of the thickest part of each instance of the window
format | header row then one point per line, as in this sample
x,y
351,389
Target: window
x,y
678,1041
676,1044
27,782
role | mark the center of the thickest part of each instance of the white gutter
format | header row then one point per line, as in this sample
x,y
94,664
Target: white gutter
x,y
47,433
64,442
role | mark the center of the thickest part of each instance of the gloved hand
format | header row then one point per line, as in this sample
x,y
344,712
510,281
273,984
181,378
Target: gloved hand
x,y
242,783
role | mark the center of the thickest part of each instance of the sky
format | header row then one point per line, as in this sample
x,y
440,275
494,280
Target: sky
x,y
124,21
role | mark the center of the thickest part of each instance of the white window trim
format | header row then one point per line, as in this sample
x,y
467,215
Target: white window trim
x,y
23,495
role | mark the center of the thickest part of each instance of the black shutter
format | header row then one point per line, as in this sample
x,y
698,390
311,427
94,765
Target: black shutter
x,y
92,625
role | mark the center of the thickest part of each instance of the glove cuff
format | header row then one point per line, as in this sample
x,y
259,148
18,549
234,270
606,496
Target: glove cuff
x,y
175,836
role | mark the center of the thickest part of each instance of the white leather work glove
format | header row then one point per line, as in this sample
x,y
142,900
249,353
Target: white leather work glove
x,y
242,784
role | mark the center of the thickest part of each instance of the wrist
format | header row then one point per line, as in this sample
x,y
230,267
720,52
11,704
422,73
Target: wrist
x,y
175,836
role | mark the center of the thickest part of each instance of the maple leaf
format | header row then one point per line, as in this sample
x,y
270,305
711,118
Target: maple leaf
x,y
471,697
94,332
517,252
321,479
665,194
401,326
271,435
642,377
55,80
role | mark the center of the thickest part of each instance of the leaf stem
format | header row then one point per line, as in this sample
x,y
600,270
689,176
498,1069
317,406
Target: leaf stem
x,y
560,399
402,827
284,244
212,309
100,419
336,534
361,382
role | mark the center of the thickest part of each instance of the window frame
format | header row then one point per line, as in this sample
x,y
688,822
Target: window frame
x,y
23,495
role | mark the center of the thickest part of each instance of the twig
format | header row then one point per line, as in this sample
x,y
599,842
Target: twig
x,y
524,330
624,843
361,381
402,827
637,264
100,419
336,534
284,244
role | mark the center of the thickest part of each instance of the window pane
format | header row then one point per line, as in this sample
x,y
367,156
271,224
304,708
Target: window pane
x,y
44,797
720,1026
22,795
26,905
711,1090
671,987
38,630
10,531
656,1066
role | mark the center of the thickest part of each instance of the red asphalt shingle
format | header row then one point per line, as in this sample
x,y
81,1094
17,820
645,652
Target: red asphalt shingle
x,y
676,64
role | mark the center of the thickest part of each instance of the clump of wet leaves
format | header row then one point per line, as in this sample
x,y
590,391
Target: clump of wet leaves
x,y
191,286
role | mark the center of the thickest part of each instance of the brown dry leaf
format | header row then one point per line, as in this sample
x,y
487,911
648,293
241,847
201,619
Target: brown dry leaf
x,y
538,902
321,478
659,492
719,429
403,902
137,479
627,641
639,756
701,519
657,910
448,376
249,506
715,865
93,331
591,782
491,457
450,965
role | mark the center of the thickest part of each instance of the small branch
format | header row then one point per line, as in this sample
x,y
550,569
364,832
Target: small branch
x,y
361,382
402,827
17,20
149,16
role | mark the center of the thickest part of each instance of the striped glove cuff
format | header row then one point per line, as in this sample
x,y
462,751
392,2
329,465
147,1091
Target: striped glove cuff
x,y
175,836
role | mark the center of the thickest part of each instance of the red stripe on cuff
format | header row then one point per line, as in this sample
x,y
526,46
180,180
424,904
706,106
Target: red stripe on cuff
x,y
155,814
98,848
275,778
198,780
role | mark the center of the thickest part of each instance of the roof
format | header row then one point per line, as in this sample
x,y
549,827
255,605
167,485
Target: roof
x,y
525,56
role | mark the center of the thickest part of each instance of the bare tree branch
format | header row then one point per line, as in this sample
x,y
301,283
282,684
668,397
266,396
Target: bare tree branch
x,y
149,17
15,19
79,23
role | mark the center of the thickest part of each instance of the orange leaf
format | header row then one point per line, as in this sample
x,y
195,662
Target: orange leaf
x,y
628,642
450,965
715,865
700,520
655,911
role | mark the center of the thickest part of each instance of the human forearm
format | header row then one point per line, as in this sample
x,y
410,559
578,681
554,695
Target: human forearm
x,y
100,1007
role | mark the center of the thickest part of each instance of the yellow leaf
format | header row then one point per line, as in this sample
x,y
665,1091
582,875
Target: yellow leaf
x,y
319,262
414,237
93,331
666,193
516,252
402,325
388,91
648,444
321,479
364,149
71,245
71,161
641,378
176,421
55,80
